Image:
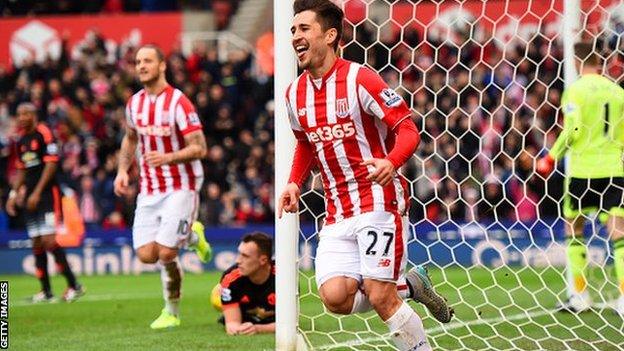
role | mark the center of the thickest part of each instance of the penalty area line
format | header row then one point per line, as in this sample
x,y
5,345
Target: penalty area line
x,y
87,298
444,328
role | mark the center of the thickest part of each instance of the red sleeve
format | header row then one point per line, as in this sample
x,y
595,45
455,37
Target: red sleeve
x,y
377,99
407,140
230,295
303,161
186,117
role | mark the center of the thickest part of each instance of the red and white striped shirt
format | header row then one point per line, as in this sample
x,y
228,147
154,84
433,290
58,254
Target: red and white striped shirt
x,y
161,122
348,119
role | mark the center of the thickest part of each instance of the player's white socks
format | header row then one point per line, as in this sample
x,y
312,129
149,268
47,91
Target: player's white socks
x,y
407,331
171,278
403,288
361,303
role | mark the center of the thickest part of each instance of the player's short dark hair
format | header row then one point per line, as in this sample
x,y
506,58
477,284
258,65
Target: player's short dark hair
x,y
586,52
262,240
159,53
328,14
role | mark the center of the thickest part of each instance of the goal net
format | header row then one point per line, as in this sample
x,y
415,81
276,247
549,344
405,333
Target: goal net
x,y
484,80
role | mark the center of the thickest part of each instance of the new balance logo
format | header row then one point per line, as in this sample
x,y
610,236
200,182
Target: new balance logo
x,y
384,262
302,112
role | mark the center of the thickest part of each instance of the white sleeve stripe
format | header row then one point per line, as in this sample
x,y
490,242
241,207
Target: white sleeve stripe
x,y
174,101
292,102
180,118
129,115
369,105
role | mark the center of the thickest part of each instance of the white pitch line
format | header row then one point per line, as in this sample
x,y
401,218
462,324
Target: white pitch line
x,y
515,317
88,297
443,328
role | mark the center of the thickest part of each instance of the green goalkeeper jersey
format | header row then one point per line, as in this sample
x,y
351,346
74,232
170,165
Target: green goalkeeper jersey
x,y
593,128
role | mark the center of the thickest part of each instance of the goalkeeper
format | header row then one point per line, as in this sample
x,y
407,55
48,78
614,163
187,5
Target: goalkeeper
x,y
593,139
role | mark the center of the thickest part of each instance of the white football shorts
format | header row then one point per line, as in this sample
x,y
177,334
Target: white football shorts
x,y
371,245
164,218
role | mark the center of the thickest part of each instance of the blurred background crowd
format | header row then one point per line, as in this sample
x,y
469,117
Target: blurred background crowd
x,y
485,115
83,99
222,9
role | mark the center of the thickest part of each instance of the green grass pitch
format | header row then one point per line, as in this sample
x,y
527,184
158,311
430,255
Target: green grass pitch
x,y
115,315
496,309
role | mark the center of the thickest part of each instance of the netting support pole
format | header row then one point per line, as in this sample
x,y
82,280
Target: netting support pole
x,y
287,228
571,24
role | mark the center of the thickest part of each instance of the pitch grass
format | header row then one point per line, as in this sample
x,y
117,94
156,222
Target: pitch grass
x,y
496,309
115,315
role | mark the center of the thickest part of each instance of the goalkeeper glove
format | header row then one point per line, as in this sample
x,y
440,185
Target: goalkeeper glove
x,y
545,165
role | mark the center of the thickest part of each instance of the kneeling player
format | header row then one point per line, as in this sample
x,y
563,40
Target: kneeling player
x,y
248,288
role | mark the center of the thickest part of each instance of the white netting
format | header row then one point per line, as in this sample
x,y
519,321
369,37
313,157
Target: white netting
x,y
484,80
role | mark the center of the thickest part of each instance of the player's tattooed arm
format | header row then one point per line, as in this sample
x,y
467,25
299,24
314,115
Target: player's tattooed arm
x,y
128,149
195,148
126,156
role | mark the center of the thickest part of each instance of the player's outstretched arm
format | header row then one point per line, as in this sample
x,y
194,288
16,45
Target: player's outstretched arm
x,y
248,328
233,319
126,157
195,149
571,115
289,200
303,161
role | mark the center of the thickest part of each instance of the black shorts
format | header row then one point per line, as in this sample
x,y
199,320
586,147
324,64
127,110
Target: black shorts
x,y
41,223
594,195
46,218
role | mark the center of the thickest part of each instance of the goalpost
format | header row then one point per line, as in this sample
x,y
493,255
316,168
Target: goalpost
x,y
287,228
481,219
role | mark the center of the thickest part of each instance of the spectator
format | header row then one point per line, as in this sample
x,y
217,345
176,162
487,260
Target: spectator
x,y
89,208
84,104
483,120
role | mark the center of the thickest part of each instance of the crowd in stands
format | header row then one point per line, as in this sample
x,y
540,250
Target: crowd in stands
x,y
485,115
83,102
222,9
